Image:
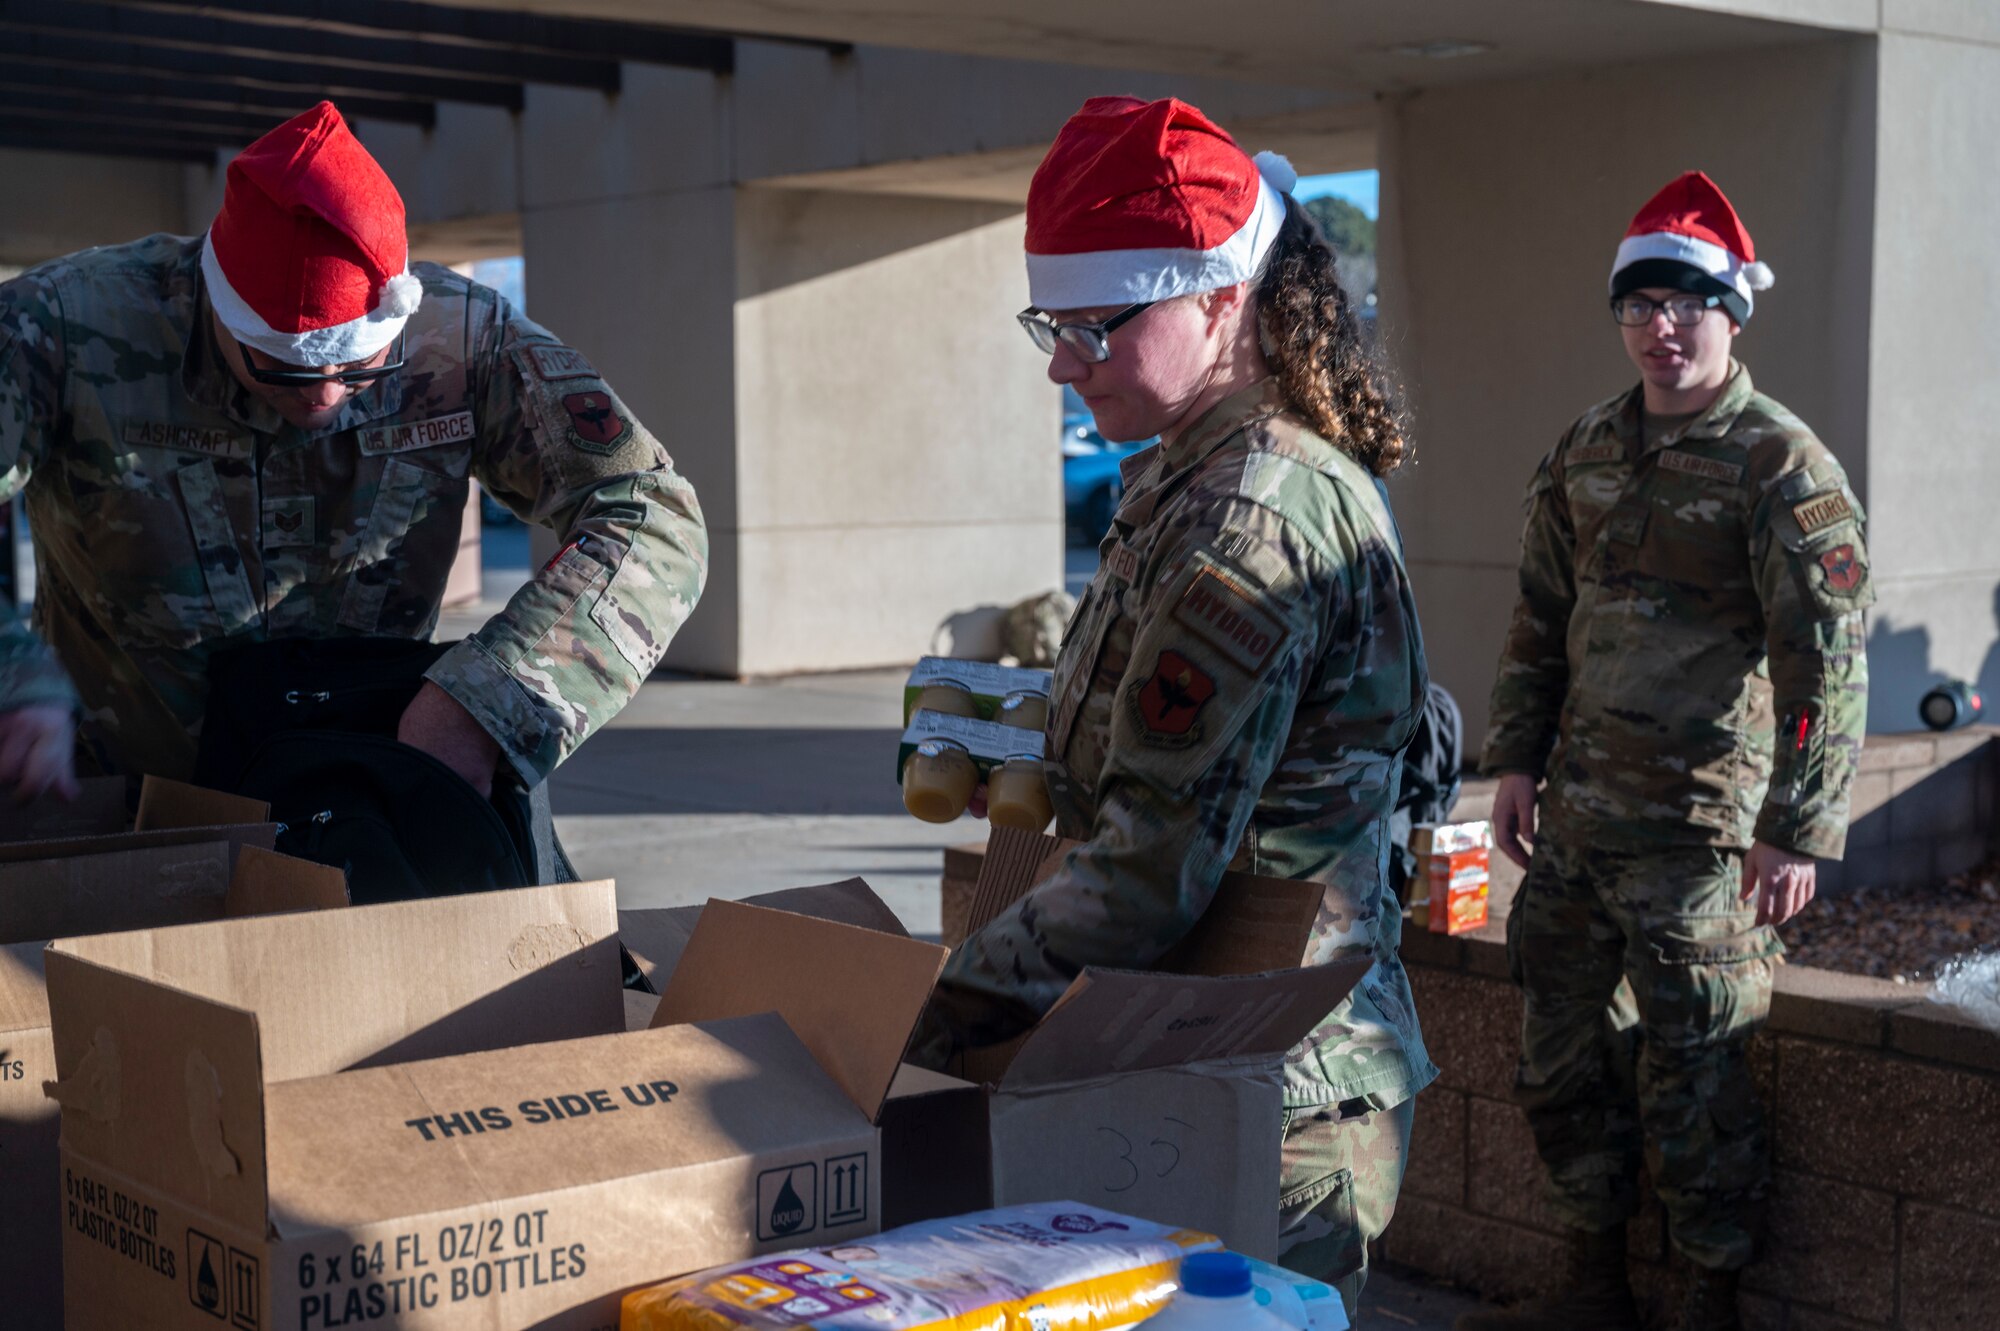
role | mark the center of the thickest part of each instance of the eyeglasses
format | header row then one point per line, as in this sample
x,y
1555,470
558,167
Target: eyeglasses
x,y
1090,342
312,379
1682,311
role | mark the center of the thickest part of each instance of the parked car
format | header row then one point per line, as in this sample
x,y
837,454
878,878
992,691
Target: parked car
x,y
1091,488
494,513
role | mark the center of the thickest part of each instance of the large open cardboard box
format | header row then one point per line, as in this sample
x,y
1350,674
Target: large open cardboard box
x,y
70,867
1157,1093
430,1114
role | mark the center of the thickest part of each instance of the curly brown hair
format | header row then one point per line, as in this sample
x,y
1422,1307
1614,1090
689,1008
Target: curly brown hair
x,y
1314,345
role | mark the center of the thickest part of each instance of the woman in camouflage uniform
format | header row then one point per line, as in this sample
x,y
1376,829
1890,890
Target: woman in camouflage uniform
x,y
1245,669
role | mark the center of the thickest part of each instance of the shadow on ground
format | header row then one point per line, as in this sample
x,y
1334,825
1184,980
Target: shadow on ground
x,y
639,770
1402,1301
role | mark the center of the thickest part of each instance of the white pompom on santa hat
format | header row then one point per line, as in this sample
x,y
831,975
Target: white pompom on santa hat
x,y
1689,237
1143,201
308,261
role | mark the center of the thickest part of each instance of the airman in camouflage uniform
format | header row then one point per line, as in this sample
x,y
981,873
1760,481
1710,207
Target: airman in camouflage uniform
x,y
1234,693
1239,682
175,515
1686,672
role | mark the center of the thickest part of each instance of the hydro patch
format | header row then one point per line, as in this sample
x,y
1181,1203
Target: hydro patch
x,y
1228,620
1822,511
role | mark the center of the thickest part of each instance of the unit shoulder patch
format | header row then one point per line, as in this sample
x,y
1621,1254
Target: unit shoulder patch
x,y
1170,701
1693,464
595,425
1223,615
1820,512
1843,571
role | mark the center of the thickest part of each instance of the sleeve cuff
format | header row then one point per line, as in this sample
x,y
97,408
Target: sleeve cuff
x,y
1820,842
501,705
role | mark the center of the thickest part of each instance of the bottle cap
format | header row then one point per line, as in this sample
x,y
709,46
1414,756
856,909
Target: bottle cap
x,y
1215,1275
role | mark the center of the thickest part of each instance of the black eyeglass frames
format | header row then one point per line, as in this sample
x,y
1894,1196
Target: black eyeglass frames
x,y
1090,342
312,378
1682,311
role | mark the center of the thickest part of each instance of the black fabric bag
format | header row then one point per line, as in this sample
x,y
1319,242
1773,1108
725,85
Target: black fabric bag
x,y
309,724
1432,775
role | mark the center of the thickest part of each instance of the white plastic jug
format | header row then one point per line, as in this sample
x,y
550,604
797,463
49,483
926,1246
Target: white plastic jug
x,y
1217,1294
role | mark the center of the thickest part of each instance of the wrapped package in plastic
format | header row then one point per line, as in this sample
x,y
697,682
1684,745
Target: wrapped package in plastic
x,y
1020,1268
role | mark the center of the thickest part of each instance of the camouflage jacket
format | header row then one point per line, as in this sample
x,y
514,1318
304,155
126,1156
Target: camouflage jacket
x,y
1234,692
1686,663
175,515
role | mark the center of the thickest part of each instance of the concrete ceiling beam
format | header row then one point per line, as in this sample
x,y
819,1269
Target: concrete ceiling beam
x,y
437,66
177,95
67,50
490,29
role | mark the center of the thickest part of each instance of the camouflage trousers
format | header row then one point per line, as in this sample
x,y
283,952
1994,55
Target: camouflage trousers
x,y
1337,1185
1644,977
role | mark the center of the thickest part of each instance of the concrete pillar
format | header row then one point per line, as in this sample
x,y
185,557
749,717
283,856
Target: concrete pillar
x,y
1934,399
61,202
839,375
897,438
1502,207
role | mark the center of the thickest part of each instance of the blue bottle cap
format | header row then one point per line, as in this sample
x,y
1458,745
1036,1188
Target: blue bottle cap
x,y
1215,1275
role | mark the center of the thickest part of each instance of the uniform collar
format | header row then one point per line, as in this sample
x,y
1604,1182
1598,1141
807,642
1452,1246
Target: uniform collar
x,y
1148,474
206,378
1717,421
1221,422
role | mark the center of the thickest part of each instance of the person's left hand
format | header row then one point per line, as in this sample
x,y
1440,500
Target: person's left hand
x,y
436,723
1781,882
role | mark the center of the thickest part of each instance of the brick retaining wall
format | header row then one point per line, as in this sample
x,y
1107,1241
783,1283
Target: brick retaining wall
x,y
1885,1115
1884,1107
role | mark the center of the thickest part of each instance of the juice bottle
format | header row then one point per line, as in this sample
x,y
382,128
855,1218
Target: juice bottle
x,y
938,780
1027,709
947,696
1017,795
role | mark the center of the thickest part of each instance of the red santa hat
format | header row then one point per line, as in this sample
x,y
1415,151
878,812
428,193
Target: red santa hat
x,y
1141,201
1689,238
308,260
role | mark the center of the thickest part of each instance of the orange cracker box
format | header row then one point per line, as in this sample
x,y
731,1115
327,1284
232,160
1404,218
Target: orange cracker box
x,y
1454,873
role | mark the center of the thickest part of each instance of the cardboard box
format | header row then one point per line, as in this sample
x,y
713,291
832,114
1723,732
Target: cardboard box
x,y
1156,1093
1025,1127
126,888
98,809
956,890
656,937
921,1104
430,1114
1448,894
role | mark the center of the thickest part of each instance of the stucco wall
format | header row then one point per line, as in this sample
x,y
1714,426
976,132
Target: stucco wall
x,y
896,434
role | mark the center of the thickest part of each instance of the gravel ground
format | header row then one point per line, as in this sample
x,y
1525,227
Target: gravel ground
x,y
1900,935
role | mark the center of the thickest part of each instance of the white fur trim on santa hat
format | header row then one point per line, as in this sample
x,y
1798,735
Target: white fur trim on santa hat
x,y
1715,260
1126,277
340,344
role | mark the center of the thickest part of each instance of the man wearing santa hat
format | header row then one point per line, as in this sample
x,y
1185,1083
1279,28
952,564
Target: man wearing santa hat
x,y
269,432
1685,679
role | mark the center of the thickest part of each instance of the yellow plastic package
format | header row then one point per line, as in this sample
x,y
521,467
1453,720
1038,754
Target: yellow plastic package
x,y
1052,1266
